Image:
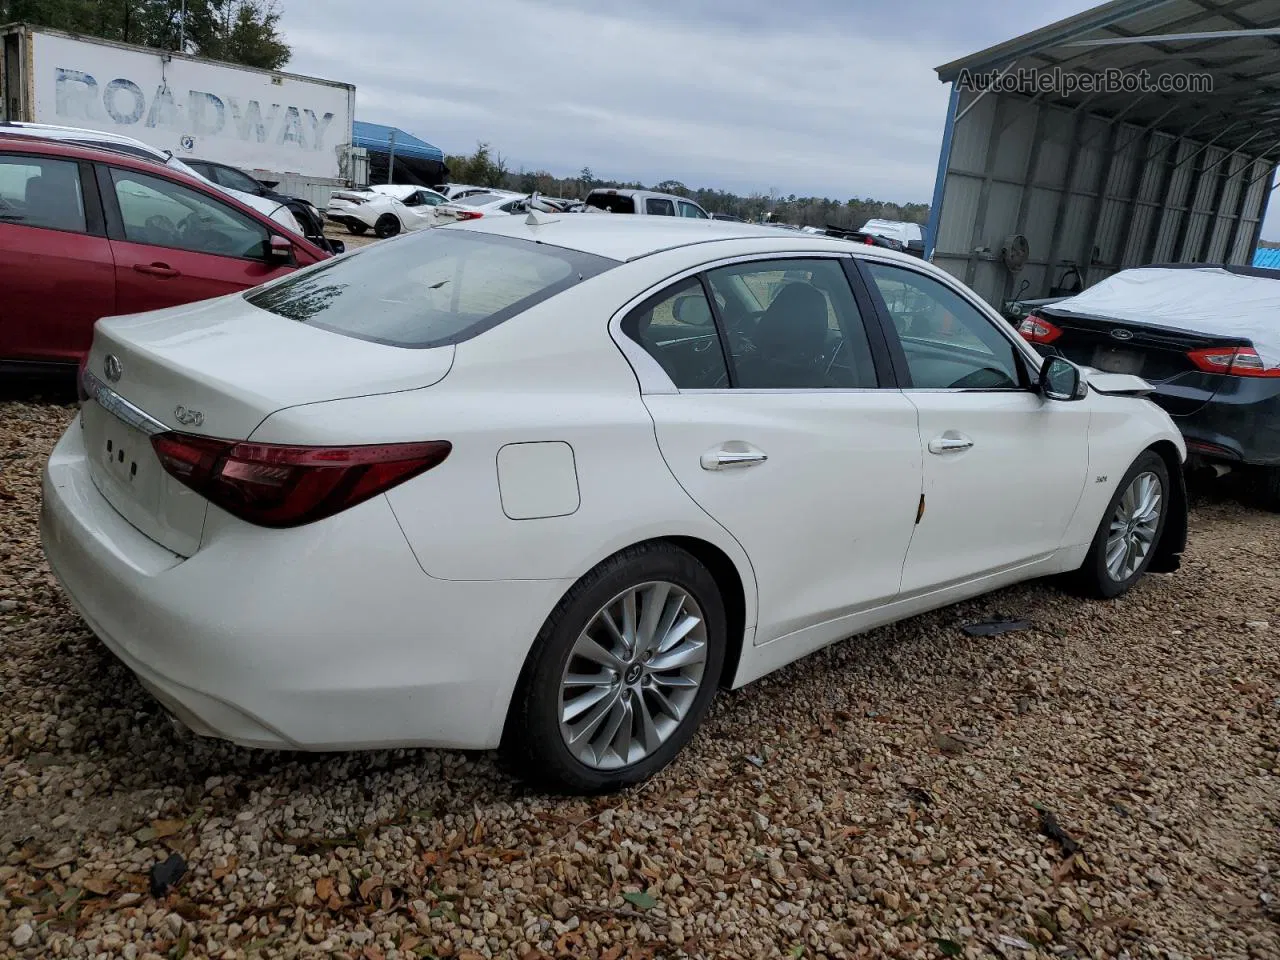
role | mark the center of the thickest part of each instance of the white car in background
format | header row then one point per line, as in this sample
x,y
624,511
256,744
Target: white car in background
x,y
136,148
549,482
386,208
461,191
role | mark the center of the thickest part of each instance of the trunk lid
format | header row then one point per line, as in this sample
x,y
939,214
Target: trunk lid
x,y
218,369
1156,354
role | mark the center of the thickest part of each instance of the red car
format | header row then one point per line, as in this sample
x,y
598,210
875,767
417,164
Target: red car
x,y
88,233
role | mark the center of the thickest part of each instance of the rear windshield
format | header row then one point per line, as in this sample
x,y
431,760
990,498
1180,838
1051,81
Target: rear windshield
x,y
614,203
429,289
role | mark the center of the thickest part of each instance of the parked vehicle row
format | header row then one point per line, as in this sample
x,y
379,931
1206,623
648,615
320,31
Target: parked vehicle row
x,y
88,232
523,460
1207,340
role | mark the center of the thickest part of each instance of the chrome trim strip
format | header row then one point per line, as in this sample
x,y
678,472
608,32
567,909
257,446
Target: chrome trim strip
x,y
119,407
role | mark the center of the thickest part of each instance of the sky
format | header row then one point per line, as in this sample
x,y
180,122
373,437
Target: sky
x,y
831,98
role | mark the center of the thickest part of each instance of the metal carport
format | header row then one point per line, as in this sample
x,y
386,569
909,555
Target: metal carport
x,y
1105,179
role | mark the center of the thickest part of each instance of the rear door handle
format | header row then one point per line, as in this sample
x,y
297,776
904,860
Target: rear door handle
x,y
162,270
949,442
724,459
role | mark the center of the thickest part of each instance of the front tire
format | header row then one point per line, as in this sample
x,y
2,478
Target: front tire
x,y
621,674
1271,488
388,226
1130,530
356,227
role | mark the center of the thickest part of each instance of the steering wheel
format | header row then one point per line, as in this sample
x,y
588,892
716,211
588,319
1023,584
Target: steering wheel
x,y
984,378
159,224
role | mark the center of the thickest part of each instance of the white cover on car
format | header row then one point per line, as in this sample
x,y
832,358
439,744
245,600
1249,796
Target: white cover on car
x,y
1204,300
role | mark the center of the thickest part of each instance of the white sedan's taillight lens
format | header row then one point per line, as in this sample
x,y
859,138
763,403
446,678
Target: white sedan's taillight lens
x,y
279,485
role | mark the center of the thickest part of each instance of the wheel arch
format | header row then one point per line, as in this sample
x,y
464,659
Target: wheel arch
x,y
732,593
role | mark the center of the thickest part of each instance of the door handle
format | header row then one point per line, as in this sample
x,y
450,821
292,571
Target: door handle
x,y
949,443
722,459
162,270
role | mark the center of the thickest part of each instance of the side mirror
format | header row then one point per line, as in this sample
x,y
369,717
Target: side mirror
x,y
692,310
1060,380
279,250
337,247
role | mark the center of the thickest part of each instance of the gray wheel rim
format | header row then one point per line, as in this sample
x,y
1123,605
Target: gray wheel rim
x,y
633,675
1132,533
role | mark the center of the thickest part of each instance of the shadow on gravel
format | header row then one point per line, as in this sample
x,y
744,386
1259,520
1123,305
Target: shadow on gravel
x,y
42,388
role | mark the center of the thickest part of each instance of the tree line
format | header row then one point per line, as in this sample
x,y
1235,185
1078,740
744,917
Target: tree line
x,y
487,168
238,31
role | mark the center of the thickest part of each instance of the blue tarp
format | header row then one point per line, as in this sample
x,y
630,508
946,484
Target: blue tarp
x,y
1267,257
375,137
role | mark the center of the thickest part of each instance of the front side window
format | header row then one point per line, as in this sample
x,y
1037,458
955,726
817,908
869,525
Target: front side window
x,y
690,210
677,328
166,214
230,177
37,192
430,289
949,344
658,207
793,324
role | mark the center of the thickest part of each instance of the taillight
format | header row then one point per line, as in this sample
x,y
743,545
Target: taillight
x,y
1038,330
468,215
869,241
278,485
1234,361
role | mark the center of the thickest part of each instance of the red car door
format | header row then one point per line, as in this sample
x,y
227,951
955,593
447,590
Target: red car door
x,y
175,244
56,271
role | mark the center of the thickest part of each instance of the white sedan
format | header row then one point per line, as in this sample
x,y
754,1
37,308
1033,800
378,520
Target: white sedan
x,y
386,208
547,483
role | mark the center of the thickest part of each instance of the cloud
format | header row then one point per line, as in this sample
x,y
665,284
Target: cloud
x,y
822,97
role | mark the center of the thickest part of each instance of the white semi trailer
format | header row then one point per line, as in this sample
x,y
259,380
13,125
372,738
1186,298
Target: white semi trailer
x,y
278,126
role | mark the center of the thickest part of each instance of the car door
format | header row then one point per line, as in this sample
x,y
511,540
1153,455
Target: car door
x,y
56,273
692,210
420,210
777,426
1004,468
173,244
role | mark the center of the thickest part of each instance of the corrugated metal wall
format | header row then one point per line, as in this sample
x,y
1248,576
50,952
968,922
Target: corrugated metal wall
x,y
1101,194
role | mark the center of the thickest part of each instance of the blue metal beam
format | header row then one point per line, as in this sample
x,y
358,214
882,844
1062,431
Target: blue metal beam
x,y
939,184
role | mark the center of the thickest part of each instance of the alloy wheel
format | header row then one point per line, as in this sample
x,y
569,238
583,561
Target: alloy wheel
x,y
632,675
1133,528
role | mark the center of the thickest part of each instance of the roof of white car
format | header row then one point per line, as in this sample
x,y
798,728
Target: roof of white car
x,y
626,237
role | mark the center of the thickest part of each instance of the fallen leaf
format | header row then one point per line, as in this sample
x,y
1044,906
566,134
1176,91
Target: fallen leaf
x,y
324,889
229,868
98,886
613,953
63,856
373,953
368,886
387,899
641,900
948,948
409,941
1016,942
431,858
478,832
566,941
167,828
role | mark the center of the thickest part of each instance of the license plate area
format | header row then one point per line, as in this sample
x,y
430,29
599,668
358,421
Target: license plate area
x,y
1113,360
124,462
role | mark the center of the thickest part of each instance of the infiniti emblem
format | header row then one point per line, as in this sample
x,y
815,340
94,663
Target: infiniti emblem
x,y
1121,334
111,367
188,418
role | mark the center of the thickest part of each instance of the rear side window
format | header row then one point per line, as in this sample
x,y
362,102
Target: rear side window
x,y
37,192
430,289
689,210
657,207
614,203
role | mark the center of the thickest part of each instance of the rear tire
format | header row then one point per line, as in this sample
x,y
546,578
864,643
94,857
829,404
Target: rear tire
x,y
1271,488
1130,530
388,226
356,227
579,725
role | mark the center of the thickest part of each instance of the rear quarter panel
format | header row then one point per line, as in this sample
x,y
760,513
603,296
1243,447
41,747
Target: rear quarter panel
x,y
550,375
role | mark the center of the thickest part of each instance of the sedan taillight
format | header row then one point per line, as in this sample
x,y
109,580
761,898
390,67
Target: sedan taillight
x,y
279,485
467,215
1233,361
1037,329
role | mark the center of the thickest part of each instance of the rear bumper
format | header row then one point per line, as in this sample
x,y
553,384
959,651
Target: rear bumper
x,y
1240,423
323,637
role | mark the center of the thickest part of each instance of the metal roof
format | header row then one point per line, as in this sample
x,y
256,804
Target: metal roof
x,y
1235,42
1267,257
375,137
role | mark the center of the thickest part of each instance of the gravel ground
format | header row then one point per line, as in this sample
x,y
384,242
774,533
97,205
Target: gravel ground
x,y
881,798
